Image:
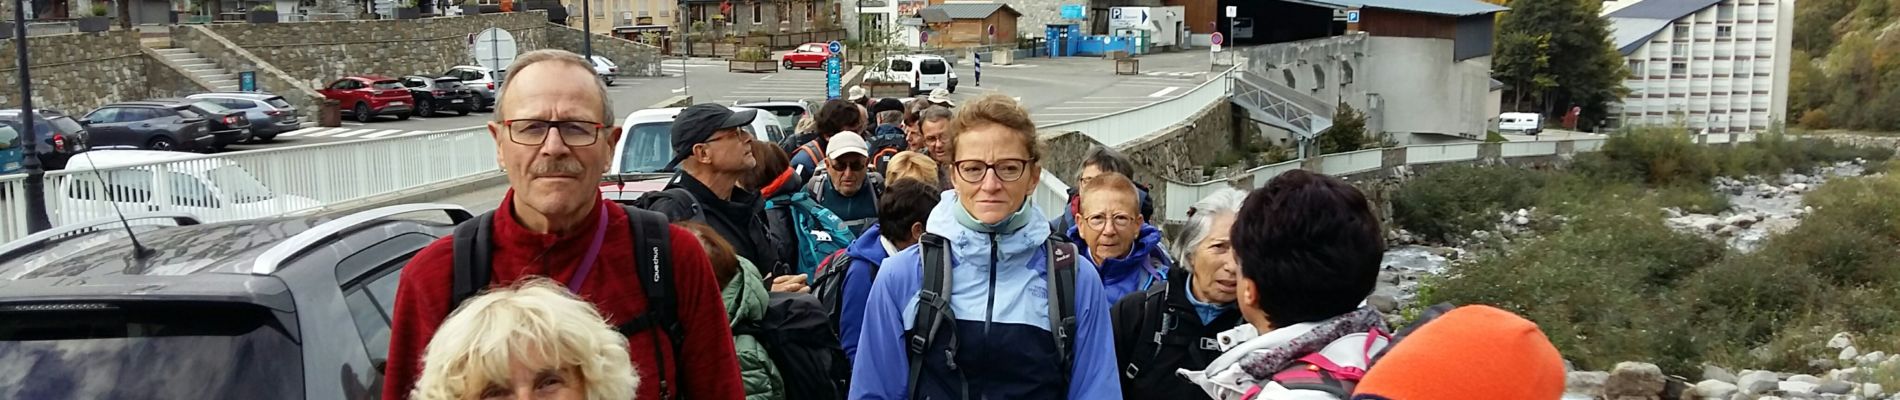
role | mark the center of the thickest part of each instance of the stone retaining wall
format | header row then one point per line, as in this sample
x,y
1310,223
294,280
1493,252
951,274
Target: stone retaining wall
x,y
226,54
634,59
317,53
109,69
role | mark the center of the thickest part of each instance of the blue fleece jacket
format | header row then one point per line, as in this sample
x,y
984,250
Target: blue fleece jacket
x,y
1145,265
866,254
1001,333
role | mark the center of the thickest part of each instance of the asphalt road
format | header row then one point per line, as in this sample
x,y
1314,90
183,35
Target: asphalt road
x,y
1053,89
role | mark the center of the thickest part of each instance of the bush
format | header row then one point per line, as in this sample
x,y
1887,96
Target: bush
x,y
1694,198
752,54
1657,156
1450,202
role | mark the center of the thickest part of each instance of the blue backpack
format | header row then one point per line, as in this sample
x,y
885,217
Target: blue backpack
x,y
820,233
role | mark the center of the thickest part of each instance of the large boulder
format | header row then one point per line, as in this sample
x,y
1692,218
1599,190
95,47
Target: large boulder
x,y
1587,383
1758,382
1634,381
1711,372
1715,389
1840,341
1834,387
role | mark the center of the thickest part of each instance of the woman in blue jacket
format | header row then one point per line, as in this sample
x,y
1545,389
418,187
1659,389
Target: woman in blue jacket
x,y
993,337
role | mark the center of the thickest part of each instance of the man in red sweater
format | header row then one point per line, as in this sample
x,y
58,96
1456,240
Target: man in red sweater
x,y
554,136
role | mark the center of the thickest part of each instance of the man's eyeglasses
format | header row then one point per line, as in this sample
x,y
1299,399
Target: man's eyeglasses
x,y
1122,221
847,166
534,132
1009,170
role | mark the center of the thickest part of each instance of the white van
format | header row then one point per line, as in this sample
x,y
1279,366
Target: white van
x,y
211,188
1525,123
923,72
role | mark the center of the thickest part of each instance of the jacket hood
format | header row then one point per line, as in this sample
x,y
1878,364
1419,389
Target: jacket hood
x,y
971,248
868,247
1251,360
745,296
1146,262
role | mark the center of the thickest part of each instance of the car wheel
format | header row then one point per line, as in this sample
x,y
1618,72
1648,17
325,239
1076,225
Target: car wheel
x,y
463,111
362,113
403,117
609,79
425,108
953,88
264,138
161,143
788,64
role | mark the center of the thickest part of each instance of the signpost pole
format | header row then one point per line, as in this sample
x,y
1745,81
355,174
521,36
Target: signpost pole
x,y
587,31
834,71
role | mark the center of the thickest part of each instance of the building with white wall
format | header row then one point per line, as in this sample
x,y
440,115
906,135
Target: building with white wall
x,y
1714,65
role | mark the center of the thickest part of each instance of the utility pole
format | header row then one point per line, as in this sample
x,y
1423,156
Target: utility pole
x,y
587,27
36,220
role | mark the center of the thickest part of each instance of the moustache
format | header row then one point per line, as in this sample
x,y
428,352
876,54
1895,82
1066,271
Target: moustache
x,y
565,166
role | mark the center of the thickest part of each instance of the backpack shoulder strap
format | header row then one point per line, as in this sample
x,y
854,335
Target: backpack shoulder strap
x,y
1153,305
933,305
474,260
653,262
1062,300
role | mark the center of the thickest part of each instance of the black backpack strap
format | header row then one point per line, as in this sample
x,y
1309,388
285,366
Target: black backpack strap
x,y
474,261
652,255
1153,305
1062,302
933,307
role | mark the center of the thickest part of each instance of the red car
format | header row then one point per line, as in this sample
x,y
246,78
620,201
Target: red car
x,y
809,55
367,96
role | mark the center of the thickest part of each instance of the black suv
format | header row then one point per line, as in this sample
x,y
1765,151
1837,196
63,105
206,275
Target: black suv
x,y
436,95
274,308
60,135
150,126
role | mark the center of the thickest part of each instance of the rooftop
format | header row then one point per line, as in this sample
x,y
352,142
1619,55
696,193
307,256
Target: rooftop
x,y
949,11
1636,24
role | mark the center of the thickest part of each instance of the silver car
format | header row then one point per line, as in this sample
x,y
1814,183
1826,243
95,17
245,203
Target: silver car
x,y
270,115
485,82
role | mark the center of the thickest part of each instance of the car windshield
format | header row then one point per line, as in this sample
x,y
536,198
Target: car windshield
x,y
648,148
787,116
386,85
238,184
931,67
187,113
65,124
147,351
278,102
210,107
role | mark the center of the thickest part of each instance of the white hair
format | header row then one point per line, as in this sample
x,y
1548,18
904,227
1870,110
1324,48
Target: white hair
x,y
535,319
1200,223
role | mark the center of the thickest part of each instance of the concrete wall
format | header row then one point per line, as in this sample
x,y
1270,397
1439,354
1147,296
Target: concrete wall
x,y
1330,69
225,54
77,72
1451,103
1174,154
316,53
1038,13
634,59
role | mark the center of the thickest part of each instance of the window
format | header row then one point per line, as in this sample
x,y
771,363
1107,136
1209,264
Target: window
x,y
1290,82
387,85
1345,73
1681,31
103,116
757,14
1679,50
647,149
1678,69
1724,13
137,114
900,65
346,84
1724,31
188,191
1636,67
932,67
124,186
278,102
414,83
9,137
369,279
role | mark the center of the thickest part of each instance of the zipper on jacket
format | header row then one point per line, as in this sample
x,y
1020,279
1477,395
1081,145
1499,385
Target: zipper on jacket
x,y
989,313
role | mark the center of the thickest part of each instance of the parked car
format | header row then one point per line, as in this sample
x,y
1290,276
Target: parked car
x,y
211,188
606,69
646,146
152,126
435,95
485,82
229,126
368,96
270,114
12,150
809,55
271,308
1525,123
786,111
60,136
923,72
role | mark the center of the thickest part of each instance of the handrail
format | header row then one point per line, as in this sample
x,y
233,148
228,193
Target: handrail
x,y
40,239
282,252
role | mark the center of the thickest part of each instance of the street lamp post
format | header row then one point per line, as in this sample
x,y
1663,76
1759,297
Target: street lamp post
x,y
36,220
587,29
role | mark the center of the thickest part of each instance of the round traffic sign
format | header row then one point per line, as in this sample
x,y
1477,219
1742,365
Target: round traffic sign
x,y
1217,38
834,46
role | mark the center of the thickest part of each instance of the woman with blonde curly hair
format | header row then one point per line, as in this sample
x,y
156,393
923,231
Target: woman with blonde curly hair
x,y
532,340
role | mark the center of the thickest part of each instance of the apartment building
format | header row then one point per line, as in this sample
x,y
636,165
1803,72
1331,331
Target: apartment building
x,y
620,17
1714,66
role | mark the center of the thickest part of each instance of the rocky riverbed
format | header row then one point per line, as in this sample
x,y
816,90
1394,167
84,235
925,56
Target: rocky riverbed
x,y
1852,375
1760,206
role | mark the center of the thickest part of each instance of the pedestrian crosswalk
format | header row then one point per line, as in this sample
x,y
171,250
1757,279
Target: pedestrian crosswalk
x,y
780,86
346,133
1011,66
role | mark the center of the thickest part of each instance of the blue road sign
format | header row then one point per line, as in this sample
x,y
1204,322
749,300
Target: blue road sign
x,y
835,46
247,81
1352,16
834,73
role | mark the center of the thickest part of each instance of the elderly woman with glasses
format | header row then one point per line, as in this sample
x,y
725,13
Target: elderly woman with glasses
x,y
1127,249
988,305
1172,326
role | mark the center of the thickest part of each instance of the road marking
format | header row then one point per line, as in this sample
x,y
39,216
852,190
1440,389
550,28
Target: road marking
x,y
327,132
677,90
767,77
383,133
304,131
353,124
1164,91
351,133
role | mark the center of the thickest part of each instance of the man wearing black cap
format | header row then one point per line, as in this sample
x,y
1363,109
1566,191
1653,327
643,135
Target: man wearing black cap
x,y
712,153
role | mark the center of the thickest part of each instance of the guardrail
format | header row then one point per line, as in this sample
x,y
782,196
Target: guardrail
x,y
1181,195
1118,128
256,184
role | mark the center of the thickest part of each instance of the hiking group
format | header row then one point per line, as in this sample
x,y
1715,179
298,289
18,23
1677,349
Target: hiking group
x,y
891,250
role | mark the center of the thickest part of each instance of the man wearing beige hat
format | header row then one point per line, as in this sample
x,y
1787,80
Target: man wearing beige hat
x,y
847,187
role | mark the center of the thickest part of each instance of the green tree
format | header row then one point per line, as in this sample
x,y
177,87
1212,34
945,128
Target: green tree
x,y
1584,63
1814,23
1347,134
1523,62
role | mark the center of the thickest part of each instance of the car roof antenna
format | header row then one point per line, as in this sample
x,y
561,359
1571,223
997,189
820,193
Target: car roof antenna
x,y
139,251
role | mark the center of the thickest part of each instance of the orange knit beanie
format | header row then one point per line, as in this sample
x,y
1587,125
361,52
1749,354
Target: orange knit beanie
x,y
1471,353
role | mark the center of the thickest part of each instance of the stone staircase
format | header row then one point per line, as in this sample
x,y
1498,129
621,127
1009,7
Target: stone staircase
x,y
220,79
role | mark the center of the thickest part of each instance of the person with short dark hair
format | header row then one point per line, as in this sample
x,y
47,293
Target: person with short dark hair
x,y
1309,248
901,214
1102,160
808,153
933,131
